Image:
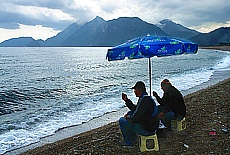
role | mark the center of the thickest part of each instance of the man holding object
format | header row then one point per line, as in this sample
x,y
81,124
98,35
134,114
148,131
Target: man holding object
x,y
141,119
172,104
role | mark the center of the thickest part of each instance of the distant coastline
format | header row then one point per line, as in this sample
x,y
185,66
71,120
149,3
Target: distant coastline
x,y
223,48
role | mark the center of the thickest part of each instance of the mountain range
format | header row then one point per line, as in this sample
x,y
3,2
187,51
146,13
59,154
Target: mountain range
x,y
99,32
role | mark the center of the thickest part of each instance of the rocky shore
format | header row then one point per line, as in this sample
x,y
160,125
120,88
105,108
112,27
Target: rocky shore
x,y
207,132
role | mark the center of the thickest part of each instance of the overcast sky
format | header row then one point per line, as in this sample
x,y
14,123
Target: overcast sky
x,y
42,19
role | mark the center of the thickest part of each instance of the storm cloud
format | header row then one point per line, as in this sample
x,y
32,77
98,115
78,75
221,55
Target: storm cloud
x,y
59,14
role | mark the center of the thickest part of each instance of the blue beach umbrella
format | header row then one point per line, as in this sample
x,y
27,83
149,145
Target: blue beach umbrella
x,y
150,46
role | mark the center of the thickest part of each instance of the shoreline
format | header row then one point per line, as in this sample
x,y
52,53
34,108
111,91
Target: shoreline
x,y
108,118
207,112
222,48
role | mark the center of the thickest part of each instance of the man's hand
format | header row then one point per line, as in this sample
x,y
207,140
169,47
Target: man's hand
x,y
155,94
124,96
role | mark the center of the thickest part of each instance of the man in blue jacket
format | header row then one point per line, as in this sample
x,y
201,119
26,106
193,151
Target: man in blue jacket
x,y
141,119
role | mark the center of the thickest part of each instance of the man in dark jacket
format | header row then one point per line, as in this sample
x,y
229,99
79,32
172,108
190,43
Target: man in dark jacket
x,y
172,104
142,119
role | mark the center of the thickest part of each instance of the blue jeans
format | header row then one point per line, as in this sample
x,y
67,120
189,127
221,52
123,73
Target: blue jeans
x,y
169,116
130,130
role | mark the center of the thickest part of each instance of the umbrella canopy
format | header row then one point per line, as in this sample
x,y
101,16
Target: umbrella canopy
x,y
150,46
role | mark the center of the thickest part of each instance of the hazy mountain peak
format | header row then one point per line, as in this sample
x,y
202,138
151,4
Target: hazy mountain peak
x,y
176,30
97,19
165,21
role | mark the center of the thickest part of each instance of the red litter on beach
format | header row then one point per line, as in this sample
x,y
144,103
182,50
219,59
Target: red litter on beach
x,y
213,133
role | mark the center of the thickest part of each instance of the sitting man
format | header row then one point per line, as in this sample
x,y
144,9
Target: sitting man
x,y
142,119
172,104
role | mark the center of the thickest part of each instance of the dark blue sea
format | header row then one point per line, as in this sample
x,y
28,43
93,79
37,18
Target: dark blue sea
x,y
45,89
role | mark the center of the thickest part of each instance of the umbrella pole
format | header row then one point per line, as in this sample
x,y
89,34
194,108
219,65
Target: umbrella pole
x,y
150,81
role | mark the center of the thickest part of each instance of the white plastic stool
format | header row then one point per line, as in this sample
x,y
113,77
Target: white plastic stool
x,y
146,140
178,125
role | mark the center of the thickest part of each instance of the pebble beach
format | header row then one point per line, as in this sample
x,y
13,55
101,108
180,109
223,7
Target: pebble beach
x,y
207,111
